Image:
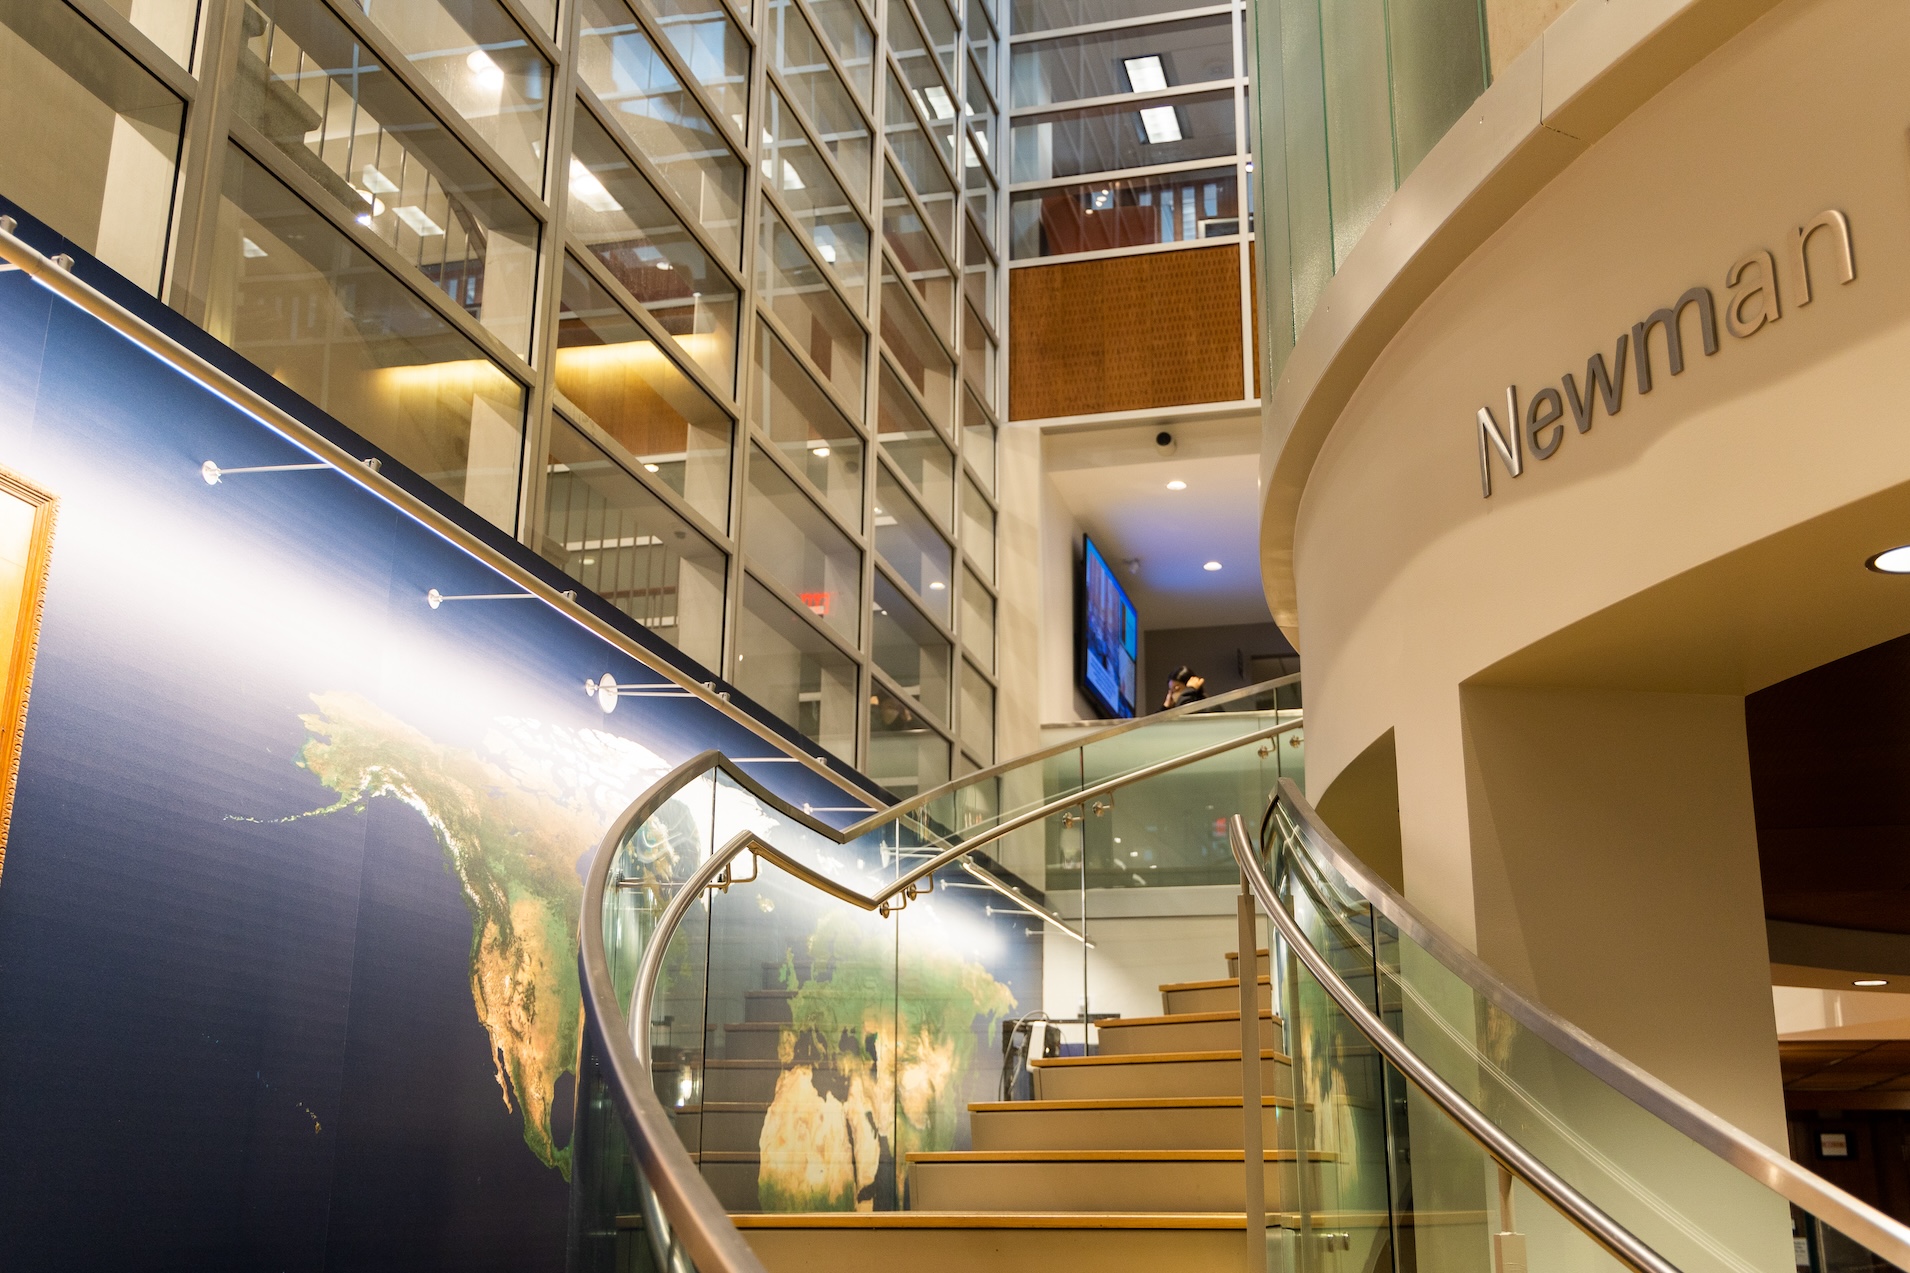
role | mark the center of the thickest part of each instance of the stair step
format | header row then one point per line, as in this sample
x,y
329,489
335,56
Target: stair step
x,y
1165,1122
962,1241
767,1005
722,1125
1179,1032
1261,961
1219,995
1205,1073
1089,1180
749,1081
752,1040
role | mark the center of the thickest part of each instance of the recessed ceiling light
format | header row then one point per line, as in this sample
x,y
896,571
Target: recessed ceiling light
x,y
1892,561
820,452
937,585
1212,565
1177,485
1870,981
649,468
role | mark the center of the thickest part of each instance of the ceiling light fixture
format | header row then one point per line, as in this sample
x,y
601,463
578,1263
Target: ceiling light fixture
x,y
1161,124
937,585
1891,561
1870,981
1212,565
1177,485
820,452
1145,74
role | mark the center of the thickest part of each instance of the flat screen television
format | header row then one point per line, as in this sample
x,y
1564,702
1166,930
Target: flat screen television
x,y
1110,637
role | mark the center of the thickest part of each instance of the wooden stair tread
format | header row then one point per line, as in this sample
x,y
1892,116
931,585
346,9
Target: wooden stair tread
x,y
1179,1018
724,1107
1128,1102
1107,1155
1153,1058
1218,983
1234,954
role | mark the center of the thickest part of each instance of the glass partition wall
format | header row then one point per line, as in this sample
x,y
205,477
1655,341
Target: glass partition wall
x,y
698,299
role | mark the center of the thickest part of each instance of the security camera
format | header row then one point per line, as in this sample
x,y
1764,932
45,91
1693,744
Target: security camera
x,y
1164,442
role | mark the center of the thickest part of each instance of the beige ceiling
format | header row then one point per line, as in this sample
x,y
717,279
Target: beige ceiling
x,y
1114,482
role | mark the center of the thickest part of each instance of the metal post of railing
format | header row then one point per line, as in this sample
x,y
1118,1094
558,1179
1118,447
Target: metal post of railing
x,y
1252,1142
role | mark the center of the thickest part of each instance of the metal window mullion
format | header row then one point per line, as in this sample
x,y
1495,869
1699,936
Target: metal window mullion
x,y
1171,93
908,489
988,324
945,251
551,50
833,59
790,342
534,489
1120,24
987,165
915,110
137,45
808,246
954,353
646,168
872,363
395,62
779,590
916,397
926,714
1140,249
908,484
945,630
654,329
928,41
309,192
1216,162
579,419
201,177
1243,146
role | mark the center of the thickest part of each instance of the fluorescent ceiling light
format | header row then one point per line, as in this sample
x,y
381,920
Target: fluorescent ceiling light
x,y
377,182
1212,565
820,452
1870,981
1161,124
1892,561
421,225
1145,74
589,190
1177,485
938,101
252,250
828,251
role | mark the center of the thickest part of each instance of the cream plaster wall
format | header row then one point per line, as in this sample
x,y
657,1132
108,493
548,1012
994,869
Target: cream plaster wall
x,y
1786,450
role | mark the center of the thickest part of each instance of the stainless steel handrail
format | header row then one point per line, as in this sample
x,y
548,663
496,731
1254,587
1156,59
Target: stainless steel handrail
x,y
1851,1216
906,886
1574,1206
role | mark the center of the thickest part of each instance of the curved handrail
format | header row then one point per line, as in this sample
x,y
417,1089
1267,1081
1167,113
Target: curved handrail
x,y
1851,1216
1508,1153
898,894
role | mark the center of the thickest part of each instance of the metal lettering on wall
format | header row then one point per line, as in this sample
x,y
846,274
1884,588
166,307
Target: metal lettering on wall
x,y
1752,301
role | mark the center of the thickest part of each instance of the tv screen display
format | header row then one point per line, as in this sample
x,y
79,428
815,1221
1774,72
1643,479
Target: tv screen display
x,y
1110,637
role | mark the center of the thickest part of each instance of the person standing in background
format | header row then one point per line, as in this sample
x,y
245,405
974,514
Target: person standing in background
x,y
1184,687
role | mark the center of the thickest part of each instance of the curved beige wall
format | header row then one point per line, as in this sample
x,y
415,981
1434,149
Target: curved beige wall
x,y
1564,662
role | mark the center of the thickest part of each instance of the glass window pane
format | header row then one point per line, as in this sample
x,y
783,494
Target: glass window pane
x,y
1068,143
1054,15
922,262
909,542
905,755
912,443
607,531
978,621
926,83
978,715
293,294
982,42
320,97
790,540
933,185
941,26
978,530
620,65
978,441
978,356
793,287
1126,212
92,139
818,92
712,46
812,435
918,355
795,672
629,227
978,269
846,28
816,199
981,200
907,647
612,371
168,23
1130,60
984,121
475,55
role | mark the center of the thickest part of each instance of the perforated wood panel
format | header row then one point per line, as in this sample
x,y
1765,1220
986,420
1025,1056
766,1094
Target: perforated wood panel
x,y
1161,329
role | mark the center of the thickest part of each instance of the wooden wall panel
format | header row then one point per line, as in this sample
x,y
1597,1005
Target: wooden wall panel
x,y
1160,329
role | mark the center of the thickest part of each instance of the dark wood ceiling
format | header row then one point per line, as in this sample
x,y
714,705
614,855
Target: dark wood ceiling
x,y
1845,1065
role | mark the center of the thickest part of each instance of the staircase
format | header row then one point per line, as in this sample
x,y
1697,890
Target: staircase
x,y
1127,1159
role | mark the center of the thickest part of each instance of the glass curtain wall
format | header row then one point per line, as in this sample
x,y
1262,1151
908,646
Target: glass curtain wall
x,y
696,298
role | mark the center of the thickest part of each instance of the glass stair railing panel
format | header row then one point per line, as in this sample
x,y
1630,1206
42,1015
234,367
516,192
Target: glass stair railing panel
x,y
1703,1211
